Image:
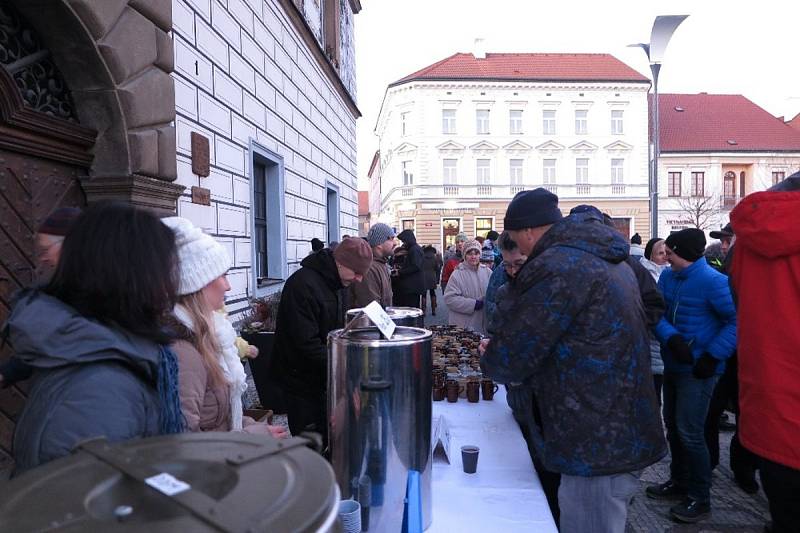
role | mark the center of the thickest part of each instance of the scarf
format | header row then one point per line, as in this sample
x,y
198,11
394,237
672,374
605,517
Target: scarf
x,y
228,360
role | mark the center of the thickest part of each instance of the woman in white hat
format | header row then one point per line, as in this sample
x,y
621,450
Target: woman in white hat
x,y
466,290
210,373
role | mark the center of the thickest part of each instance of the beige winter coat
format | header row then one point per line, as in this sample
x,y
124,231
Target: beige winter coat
x,y
465,287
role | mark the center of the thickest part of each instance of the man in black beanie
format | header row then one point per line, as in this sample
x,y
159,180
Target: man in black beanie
x,y
571,326
698,333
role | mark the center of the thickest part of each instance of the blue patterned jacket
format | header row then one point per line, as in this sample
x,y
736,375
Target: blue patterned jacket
x,y
573,327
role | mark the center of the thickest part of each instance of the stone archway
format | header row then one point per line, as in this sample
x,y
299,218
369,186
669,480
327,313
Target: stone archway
x,y
116,56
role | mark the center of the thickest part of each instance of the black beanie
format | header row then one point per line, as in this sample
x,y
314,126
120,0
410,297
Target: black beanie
x,y
689,243
636,239
648,249
531,209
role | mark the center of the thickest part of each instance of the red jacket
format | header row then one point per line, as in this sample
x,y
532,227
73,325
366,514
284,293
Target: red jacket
x,y
766,278
449,267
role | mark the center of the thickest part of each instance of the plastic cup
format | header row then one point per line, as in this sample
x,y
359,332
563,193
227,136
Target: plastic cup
x,y
350,516
469,458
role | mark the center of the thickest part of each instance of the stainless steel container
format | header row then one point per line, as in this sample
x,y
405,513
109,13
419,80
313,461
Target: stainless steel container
x,y
379,401
402,316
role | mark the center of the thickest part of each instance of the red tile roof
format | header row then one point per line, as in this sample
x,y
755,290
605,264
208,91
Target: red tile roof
x,y
363,203
528,67
707,122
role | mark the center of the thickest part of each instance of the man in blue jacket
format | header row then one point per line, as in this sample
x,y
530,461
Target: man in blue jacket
x,y
698,333
572,325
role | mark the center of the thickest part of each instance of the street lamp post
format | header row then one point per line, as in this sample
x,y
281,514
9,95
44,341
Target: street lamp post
x,y
663,28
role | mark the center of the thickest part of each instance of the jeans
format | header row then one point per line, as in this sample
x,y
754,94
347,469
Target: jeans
x,y
686,401
782,487
596,504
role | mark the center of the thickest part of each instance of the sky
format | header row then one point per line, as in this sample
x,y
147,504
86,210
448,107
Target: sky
x,y
725,47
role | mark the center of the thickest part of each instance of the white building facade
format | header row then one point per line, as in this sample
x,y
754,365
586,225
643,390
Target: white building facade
x,y
271,85
453,152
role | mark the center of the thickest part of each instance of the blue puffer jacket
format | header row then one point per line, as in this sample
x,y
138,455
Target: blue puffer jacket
x,y
498,279
700,308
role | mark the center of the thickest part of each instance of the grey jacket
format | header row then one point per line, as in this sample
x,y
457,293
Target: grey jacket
x,y
89,380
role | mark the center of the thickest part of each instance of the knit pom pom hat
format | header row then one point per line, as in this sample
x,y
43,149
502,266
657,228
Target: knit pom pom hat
x,y
471,245
202,259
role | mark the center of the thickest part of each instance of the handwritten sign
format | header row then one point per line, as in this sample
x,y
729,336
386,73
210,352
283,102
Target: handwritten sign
x,y
167,484
379,317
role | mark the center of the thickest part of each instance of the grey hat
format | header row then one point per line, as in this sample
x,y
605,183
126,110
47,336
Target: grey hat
x,y
379,234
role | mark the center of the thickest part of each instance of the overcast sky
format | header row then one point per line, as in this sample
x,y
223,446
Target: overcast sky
x,y
731,47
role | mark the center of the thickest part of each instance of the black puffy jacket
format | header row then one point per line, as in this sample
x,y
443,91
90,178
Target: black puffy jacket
x,y
410,278
311,307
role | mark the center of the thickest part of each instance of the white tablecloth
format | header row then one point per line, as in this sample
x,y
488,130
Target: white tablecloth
x,y
505,493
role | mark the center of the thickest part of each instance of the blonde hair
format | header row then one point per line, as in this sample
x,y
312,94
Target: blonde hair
x,y
205,337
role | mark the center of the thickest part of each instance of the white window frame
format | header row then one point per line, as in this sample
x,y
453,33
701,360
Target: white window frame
x,y
617,122
413,224
582,171
482,121
549,122
277,264
617,171
581,121
448,121
404,123
407,173
450,171
549,171
516,171
515,121
483,171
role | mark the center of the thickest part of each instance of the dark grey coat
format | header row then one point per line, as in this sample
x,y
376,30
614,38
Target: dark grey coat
x,y
89,380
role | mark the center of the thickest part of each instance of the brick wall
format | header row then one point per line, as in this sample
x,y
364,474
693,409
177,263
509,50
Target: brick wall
x,y
242,74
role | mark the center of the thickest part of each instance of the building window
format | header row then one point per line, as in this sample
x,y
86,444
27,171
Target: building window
x,y
268,218
581,171
622,225
448,121
698,184
515,171
449,177
616,122
483,225
408,174
778,177
333,210
407,223
404,123
549,172
674,184
450,229
483,171
581,122
515,121
549,122
617,176
331,30
482,121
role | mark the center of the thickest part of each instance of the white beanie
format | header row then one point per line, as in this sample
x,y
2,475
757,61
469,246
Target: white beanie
x,y
201,258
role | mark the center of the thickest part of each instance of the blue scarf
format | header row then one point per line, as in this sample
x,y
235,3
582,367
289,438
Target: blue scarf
x,y
171,418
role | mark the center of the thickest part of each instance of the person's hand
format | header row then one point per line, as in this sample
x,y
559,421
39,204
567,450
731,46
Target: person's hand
x,y
483,345
705,366
252,352
478,305
680,349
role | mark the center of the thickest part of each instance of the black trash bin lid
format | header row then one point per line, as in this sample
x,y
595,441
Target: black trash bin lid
x,y
194,482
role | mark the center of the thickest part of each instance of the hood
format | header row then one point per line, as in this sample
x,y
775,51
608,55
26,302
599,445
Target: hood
x,y
766,223
323,263
44,332
408,238
654,268
585,231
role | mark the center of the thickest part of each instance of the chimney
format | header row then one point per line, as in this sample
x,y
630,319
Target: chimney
x,y
479,49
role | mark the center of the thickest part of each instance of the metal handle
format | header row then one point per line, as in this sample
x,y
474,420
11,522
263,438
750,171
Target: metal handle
x,y
375,385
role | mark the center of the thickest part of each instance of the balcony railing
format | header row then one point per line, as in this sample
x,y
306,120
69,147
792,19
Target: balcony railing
x,y
507,191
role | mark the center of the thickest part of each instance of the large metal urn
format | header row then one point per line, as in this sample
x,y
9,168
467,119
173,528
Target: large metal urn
x,y
402,316
379,394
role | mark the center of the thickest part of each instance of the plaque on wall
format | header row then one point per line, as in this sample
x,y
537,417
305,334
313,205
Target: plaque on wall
x,y
201,195
201,155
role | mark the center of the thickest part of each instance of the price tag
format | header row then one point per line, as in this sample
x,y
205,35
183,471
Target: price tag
x,y
167,484
379,317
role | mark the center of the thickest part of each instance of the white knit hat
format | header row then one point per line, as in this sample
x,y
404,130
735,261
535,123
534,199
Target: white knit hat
x,y
202,259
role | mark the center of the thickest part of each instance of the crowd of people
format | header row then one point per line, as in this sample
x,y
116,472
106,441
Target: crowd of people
x,y
613,353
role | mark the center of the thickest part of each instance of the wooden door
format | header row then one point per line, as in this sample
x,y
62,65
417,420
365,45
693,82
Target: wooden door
x,y
450,228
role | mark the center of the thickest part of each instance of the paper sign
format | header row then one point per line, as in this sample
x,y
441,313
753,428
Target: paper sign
x,y
167,484
379,317
441,439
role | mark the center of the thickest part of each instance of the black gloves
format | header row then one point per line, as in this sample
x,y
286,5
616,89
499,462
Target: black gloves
x,y
705,366
478,305
680,349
